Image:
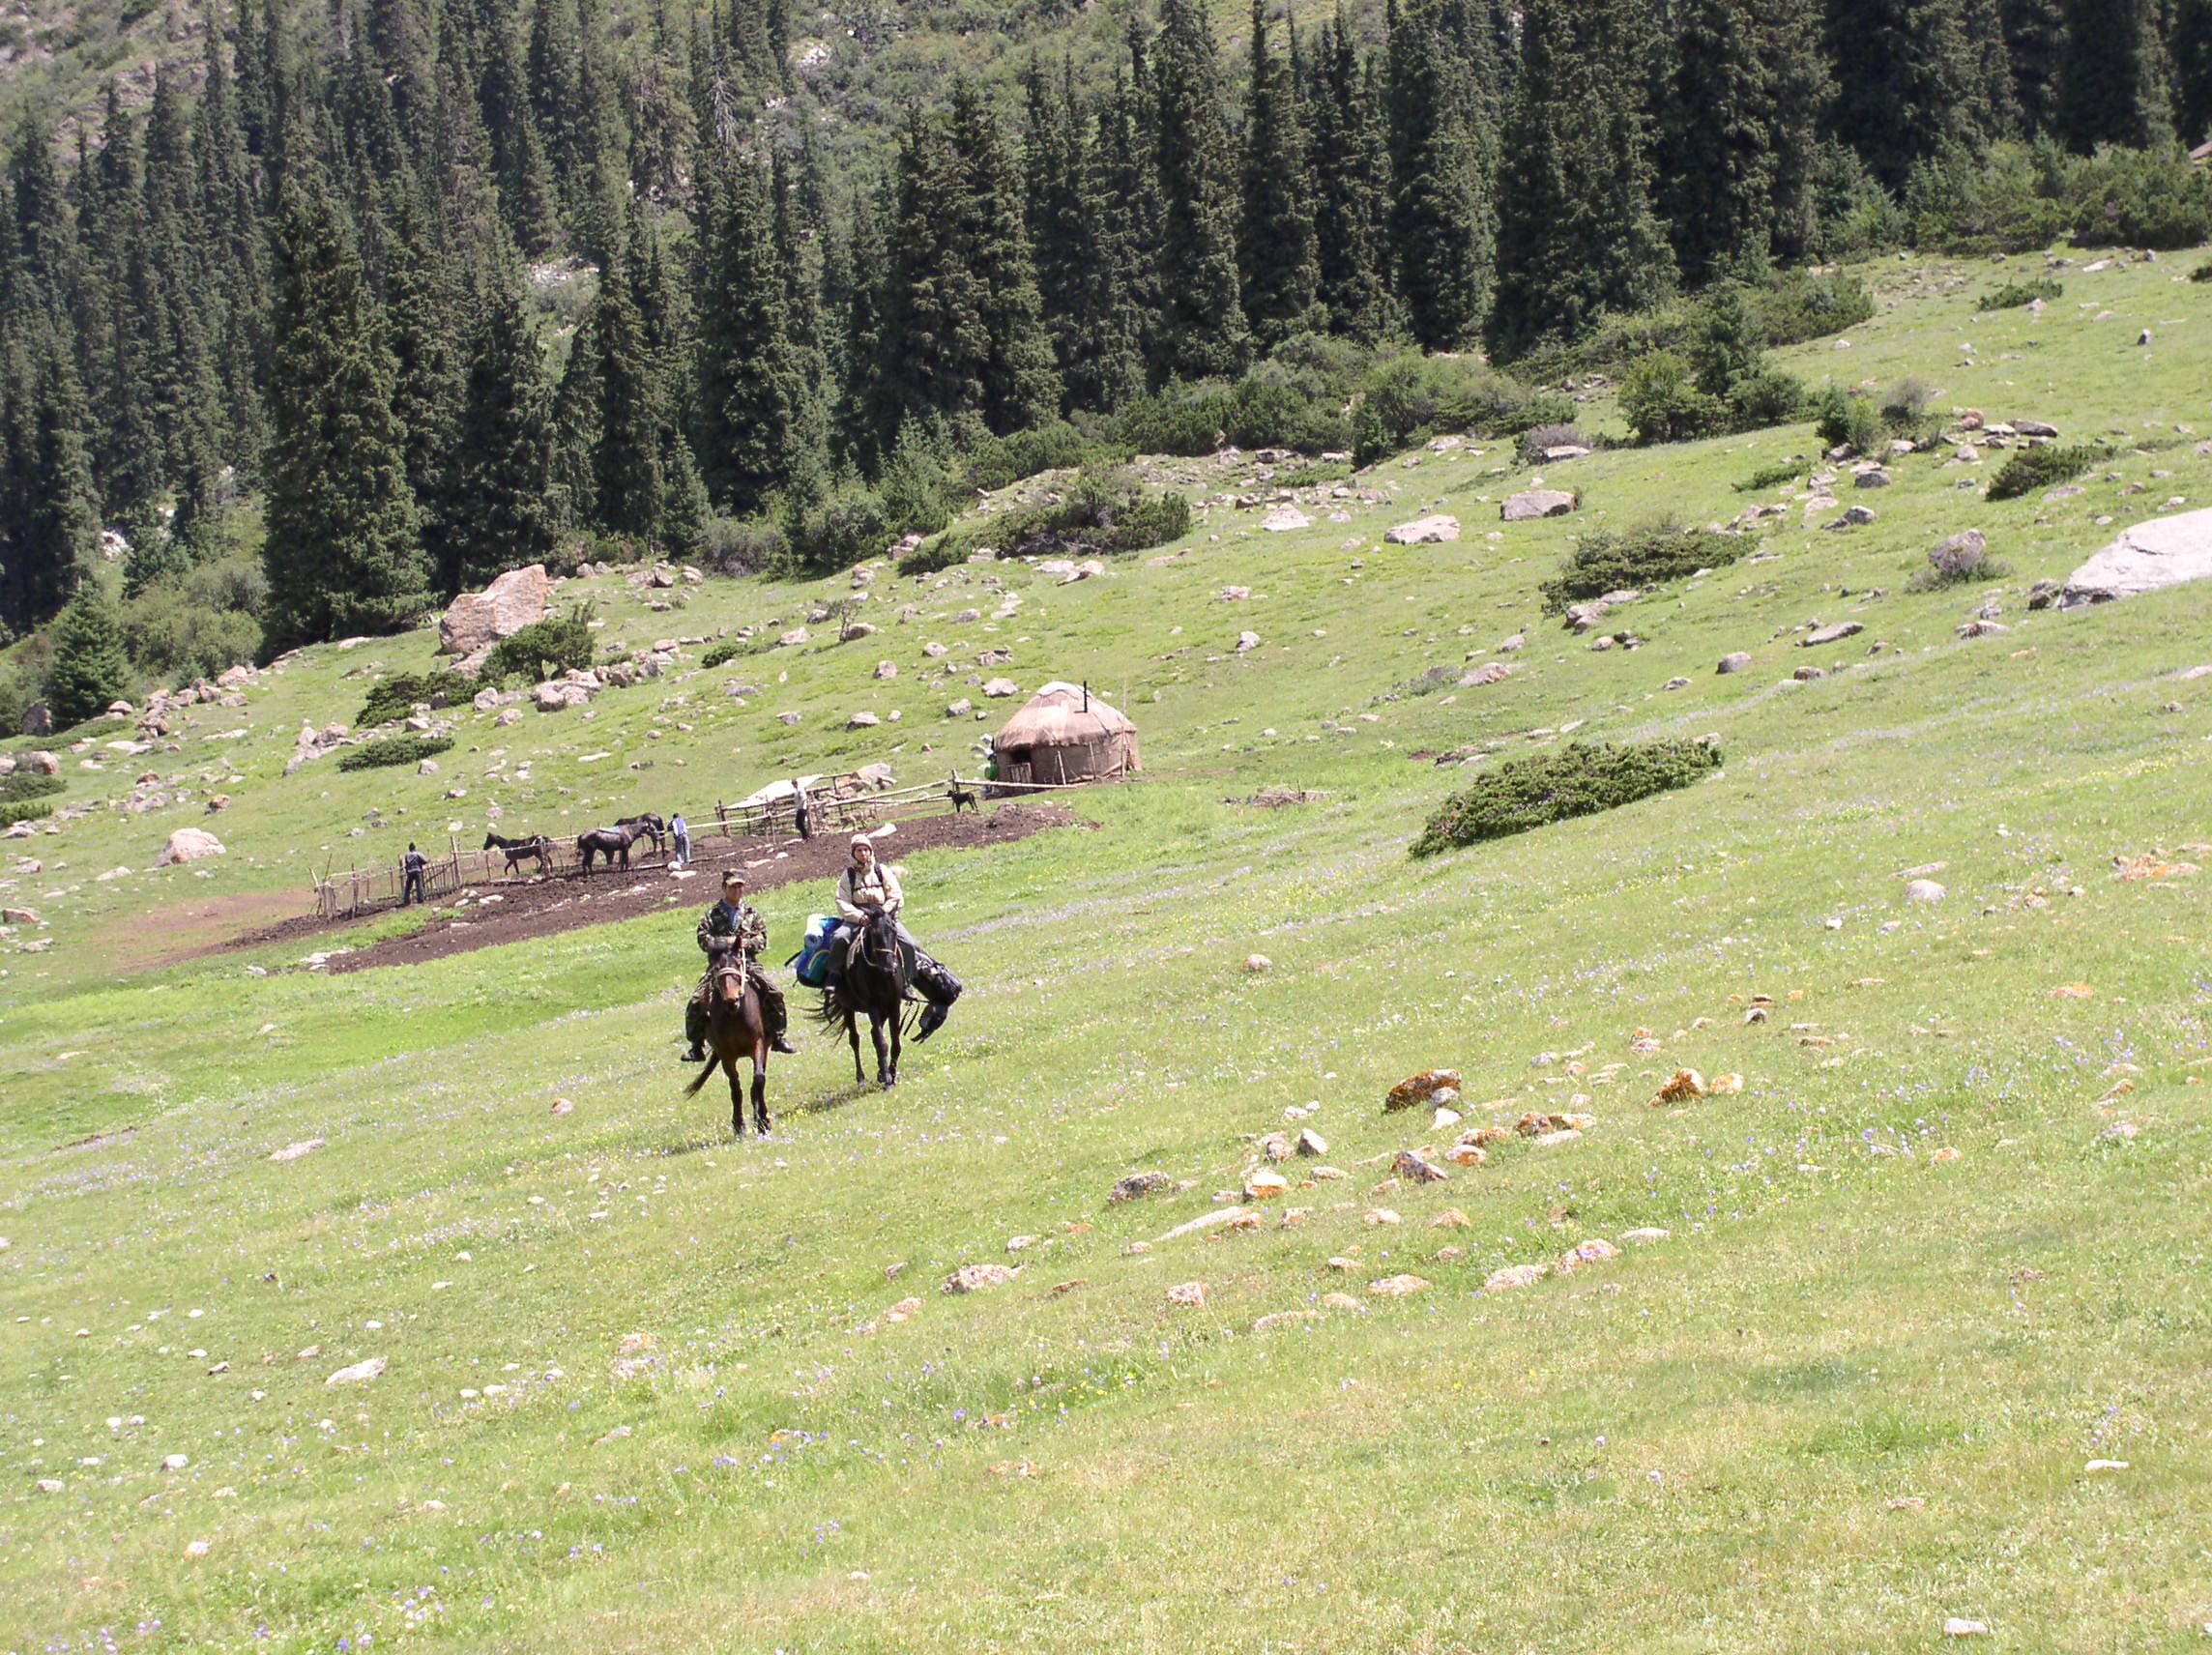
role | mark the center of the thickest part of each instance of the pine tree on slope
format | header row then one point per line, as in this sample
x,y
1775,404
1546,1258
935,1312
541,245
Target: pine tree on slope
x,y
1202,332
1277,260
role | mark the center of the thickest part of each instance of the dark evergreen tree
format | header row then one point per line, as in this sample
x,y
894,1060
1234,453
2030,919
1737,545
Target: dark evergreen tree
x,y
751,386
49,513
2035,45
2192,71
1441,219
340,551
1126,166
1081,278
1278,263
529,197
1350,161
91,669
1908,83
503,452
1017,384
425,325
2114,83
629,473
855,421
1201,321
1577,237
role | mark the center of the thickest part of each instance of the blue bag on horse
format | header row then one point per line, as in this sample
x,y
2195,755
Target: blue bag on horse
x,y
812,961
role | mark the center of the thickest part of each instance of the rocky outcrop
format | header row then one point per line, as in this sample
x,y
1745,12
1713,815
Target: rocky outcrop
x,y
2148,557
188,845
1536,502
1436,531
476,621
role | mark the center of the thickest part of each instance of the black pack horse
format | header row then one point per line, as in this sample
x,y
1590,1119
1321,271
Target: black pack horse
x,y
649,827
611,843
520,851
870,982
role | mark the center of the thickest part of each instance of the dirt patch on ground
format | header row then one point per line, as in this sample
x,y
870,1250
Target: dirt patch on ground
x,y
486,914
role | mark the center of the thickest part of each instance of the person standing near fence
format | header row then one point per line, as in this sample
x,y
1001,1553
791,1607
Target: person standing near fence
x,y
681,831
802,817
413,864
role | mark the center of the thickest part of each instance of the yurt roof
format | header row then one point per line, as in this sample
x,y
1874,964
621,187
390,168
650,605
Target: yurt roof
x,y
1056,717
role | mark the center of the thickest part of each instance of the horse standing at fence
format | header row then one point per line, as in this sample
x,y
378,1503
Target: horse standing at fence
x,y
735,1027
870,981
612,843
649,827
520,851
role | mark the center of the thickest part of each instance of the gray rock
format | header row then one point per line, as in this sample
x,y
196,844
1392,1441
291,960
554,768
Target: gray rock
x,y
1833,634
1735,661
1923,890
1979,628
1246,643
1416,1168
1433,531
2034,428
1810,675
1138,1184
2044,594
1675,683
1876,478
960,709
1853,517
1311,1142
2148,557
1536,502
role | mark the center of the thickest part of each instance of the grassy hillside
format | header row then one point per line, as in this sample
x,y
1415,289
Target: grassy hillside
x,y
646,1389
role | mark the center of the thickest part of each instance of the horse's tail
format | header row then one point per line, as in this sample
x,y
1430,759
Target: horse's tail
x,y
713,1063
831,1011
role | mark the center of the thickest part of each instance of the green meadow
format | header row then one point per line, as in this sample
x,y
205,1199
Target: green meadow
x,y
646,1387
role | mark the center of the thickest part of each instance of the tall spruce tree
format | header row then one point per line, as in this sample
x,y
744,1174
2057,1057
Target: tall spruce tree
x,y
2115,81
1348,158
1018,384
1441,219
50,512
1081,272
2192,71
628,466
1278,262
1577,237
503,451
2035,45
91,669
426,324
1908,85
1201,330
340,551
751,383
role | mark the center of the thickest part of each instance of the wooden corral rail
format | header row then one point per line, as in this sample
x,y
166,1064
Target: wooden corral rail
x,y
366,890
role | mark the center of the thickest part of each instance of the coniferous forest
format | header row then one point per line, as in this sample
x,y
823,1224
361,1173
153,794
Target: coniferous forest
x,y
369,302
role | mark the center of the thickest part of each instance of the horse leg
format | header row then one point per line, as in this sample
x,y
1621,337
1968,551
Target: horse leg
x,y
886,1076
853,1034
895,1022
760,1087
737,1095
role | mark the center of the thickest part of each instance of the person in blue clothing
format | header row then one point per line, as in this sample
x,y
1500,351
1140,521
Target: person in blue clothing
x,y
680,832
413,864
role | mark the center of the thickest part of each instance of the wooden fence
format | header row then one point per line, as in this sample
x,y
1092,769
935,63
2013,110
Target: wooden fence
x,y
831,811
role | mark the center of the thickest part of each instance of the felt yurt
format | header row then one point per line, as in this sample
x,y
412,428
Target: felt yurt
x,y
1066,733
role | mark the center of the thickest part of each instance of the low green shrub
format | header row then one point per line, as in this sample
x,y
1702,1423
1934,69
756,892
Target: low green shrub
x,y
730,649
1962,560
544,649
1661,401
12,812
1608,562
2032,469
1772,476
2015,294
1003,461
742,545
387,750
20,785
846,527
1100,517
2202,272
1847,418
1578,779
396,697
1404,399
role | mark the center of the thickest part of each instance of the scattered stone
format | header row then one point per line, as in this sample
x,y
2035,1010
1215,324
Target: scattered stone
x,y
1681,1086
1735,661
1380,1215
1256,963
999,688
863,721
1341,1300
1433,531
188,845
1485,675
1596,1251
2096,1466
1408,1164
1452,1218
1247,642
1191,1296
1221,1218
1284,519
1923,890
293,1152
175,1462
1275,1146
357,1374
561,1105
1397,1287
1643,1236
1512,1276
1263,1184
1284,1319
1536,502
1311,1142
1466,1155
1957,1626
1428,1090
1138,1184
1981,629
1831,634
975,1278
2034,428
960,709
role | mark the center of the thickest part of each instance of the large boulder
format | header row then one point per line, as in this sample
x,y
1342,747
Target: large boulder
x,y
1536,503
476,621
188,845
2165,551
1438,530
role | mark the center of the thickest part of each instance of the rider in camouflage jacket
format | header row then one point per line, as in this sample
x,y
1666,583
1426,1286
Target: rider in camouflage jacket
x,y
734,920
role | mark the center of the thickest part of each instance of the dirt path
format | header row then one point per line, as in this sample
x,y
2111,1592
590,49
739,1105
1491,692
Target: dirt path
x,y
486,914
